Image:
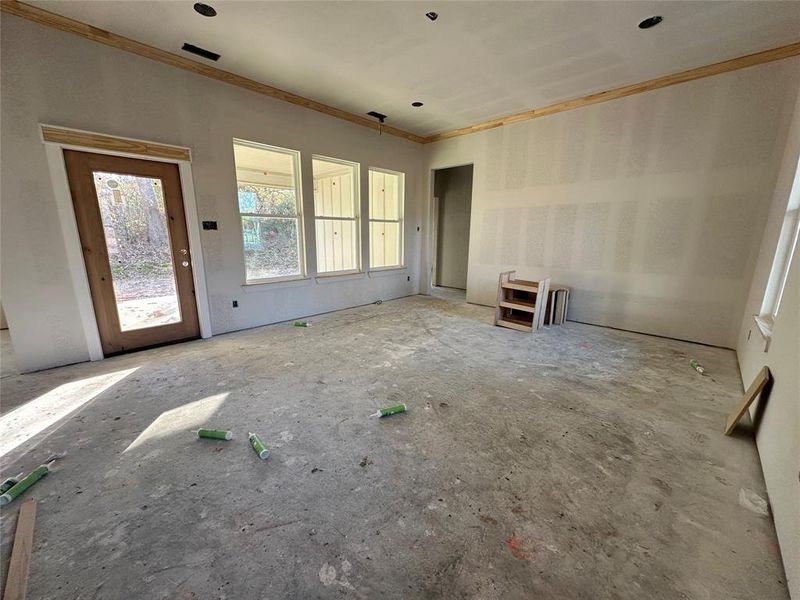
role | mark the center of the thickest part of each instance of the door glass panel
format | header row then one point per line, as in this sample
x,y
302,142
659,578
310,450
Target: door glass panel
x,y
137,238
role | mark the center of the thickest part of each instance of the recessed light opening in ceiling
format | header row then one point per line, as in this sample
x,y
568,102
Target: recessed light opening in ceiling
x,y
650,22
205,9
432,15
416,104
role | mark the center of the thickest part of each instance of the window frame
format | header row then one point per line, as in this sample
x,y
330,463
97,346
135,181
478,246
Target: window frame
x,y
356,218
779,273
794,233
785,251
401,206
298,216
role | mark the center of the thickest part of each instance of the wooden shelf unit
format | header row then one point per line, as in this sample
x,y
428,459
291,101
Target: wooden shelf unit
x,y
518,305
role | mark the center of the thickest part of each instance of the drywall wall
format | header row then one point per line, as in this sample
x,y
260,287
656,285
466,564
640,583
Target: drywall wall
x,y
650,207
56,78
453,188
778,419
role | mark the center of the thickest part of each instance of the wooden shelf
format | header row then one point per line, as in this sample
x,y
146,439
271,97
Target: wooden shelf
x,y
523,286
513,323
519,305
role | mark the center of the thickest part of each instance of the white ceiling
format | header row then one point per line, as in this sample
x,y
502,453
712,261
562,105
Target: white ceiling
x,y
478,61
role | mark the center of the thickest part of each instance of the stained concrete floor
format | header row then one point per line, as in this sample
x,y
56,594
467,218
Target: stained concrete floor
x,y
580,462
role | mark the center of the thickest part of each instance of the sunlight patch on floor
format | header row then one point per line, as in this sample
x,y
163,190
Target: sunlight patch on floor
x,y
181,419
33,417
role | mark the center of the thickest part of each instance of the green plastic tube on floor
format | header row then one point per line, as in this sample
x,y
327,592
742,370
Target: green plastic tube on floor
x,y
391,410
258,445
9,483
215,434
14,492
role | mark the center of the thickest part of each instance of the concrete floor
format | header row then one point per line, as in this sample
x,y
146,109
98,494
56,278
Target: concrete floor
x,y
579,462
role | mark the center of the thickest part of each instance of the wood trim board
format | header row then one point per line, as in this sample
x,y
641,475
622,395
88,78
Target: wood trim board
x,y
17,577
89,32
84,30
85,139
749,396
725,66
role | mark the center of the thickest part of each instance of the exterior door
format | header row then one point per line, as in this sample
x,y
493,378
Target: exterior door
x,y
136,249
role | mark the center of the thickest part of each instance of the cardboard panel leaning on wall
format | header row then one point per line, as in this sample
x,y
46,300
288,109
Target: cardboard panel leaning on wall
x,y
649,207
53,77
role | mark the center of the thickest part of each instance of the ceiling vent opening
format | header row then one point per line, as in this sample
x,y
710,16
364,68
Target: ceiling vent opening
x,y
416,104
381,118
650,22
200,52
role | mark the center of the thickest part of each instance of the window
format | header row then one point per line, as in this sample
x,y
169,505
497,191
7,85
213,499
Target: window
x,y
336,215
787,244
385,218
270,207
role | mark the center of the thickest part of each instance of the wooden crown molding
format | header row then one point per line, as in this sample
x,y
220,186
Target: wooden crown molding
x,y
725,66
44,17
98,141
84,30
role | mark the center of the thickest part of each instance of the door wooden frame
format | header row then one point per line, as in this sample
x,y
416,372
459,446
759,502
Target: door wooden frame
x,y
435,242
81,169
72,245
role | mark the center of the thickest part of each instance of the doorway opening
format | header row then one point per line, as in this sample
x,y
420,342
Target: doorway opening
x,y
8,364
452,198
132,227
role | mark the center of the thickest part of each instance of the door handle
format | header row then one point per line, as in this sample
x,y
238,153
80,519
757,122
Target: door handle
x,y
185,252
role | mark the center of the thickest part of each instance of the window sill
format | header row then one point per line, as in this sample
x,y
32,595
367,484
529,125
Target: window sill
x,y
338,276
386,271
275,284
764,326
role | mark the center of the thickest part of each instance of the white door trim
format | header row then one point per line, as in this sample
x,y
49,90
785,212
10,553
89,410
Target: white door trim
x,y
74,253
